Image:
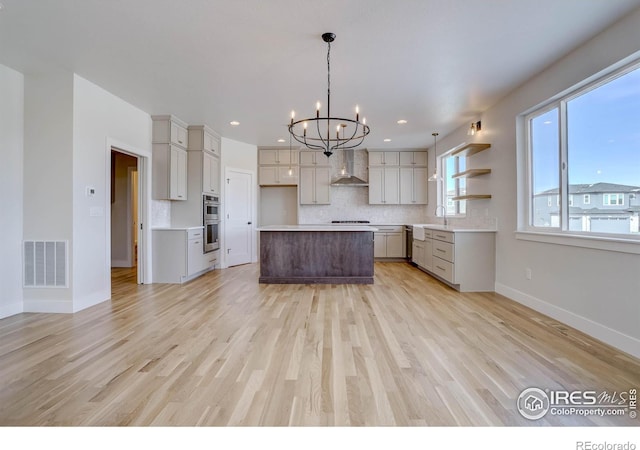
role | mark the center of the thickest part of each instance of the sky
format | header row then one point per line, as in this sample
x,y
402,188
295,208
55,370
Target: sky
x,y
603,137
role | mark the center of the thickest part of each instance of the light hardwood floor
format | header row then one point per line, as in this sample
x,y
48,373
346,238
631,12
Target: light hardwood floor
x,y
224,350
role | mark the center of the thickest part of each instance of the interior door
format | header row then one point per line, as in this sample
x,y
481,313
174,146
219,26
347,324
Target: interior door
x,y
239,217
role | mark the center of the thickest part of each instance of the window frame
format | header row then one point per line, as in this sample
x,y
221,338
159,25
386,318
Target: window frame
x,y
526,230
459,205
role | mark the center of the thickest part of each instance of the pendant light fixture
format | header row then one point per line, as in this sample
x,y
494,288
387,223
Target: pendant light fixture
x,y
434,177
316,133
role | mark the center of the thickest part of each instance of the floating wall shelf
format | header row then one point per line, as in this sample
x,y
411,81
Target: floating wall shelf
x,y
470,149
471,197
471,173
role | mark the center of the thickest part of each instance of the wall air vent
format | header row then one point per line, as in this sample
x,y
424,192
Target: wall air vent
x,y
45,264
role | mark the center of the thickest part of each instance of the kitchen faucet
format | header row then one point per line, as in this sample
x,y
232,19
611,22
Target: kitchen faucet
x,y
444,213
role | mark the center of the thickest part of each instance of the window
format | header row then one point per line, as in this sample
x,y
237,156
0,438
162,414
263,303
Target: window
x,y
453,187
587,142
612,199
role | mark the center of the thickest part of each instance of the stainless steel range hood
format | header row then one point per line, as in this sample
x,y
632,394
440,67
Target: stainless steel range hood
x,y
348,179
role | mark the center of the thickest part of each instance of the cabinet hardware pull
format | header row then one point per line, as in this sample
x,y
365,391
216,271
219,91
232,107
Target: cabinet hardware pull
x,y
441,268
196,242
440,250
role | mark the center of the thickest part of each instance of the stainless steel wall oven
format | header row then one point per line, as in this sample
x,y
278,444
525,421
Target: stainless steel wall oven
x,y
211,222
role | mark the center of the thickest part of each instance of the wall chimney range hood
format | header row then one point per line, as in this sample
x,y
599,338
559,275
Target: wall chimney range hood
x,y
348,179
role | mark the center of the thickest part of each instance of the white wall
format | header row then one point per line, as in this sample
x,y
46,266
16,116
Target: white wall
x,y
11,151
100,121
238,155
596,291
48,175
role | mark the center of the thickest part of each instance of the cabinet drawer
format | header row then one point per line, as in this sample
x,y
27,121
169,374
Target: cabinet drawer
x,y
389,228
428,233
443,250
445,236
195,233
444,269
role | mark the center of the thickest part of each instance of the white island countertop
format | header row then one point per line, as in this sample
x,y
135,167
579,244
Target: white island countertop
x,y
317,228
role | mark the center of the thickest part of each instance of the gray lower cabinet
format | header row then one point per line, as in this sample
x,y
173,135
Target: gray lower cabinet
x,y
178,255
389,241
464,259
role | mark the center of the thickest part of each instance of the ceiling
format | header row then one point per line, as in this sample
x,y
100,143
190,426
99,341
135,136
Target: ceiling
x,y
435,63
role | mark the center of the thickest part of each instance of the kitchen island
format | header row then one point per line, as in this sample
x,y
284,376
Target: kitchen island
x,y
316,254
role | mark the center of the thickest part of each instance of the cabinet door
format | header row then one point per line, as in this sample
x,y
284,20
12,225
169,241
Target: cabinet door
x,y
208,173
395,245
376,158
376,185
417,252
214,163
406,158
427,258
194,256
178,174
406,186
178,135
391,158
285,157
268,175
420,177
413,185
268,157
379,245
307,175
420,158
312,158
322,185
211,143
391,185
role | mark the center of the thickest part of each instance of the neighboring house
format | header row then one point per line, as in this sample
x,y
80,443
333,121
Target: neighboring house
x,y
598,207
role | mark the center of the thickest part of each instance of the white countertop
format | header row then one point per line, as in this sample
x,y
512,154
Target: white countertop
x,y
456,228
176,228
317,228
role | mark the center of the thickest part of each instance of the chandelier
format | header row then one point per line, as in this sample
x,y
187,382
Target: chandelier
x,y
323,133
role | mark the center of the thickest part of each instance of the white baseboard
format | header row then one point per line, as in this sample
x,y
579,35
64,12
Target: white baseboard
x,y
11,309
607,335
48,306
91,300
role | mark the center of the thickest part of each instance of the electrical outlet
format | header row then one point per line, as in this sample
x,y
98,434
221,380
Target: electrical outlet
x,y
527,273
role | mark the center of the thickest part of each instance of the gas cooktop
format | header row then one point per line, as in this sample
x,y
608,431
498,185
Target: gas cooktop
x,y
350,221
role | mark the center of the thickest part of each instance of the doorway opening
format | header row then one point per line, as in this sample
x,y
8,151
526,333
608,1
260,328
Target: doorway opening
x,y
125,218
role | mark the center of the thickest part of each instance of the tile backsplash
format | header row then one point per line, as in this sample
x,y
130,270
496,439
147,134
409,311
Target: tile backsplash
x,y
160,213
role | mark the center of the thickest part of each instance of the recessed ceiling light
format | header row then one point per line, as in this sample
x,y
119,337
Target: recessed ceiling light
x,y
387,140
281,140
402,122
234,123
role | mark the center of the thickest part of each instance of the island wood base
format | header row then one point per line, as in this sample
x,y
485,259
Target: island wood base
x,y
316,257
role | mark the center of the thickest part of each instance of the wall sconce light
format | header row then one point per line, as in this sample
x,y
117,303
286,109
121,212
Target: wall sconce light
x,y
475,127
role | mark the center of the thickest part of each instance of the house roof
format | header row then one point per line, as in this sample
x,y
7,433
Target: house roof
x,y
595,188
